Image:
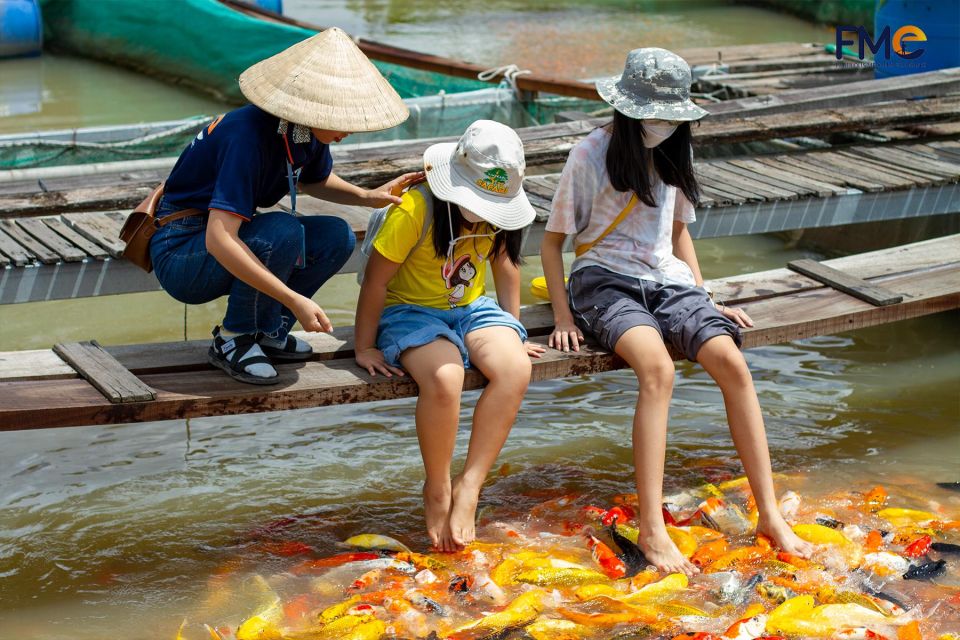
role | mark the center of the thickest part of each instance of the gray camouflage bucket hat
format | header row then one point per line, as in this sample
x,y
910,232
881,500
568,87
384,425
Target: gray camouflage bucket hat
x,y
655,84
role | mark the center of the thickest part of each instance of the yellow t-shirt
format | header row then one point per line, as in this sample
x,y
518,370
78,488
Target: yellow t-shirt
x,y
423,278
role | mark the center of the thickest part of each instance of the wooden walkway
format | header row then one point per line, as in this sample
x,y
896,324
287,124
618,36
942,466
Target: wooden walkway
x,y
77,254
800,66
38,389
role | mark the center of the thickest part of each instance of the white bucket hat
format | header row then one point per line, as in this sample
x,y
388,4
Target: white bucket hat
x,y
655,84
482,172
325,82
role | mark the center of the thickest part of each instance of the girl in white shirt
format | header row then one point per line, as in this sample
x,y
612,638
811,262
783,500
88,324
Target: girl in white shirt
x,y
626,194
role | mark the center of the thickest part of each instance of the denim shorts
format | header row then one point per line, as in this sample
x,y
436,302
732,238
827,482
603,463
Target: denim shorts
x,y
403,326
606,305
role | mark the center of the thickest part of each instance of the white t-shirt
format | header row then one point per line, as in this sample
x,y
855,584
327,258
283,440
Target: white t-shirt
x,y
641,246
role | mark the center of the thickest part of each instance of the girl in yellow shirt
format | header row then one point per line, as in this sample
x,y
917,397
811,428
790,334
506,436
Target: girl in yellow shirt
x,y
422,307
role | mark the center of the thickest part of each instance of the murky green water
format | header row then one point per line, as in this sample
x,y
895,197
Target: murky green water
x,y
117,531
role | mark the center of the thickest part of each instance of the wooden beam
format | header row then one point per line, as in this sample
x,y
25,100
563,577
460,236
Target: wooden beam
x,y
27,405
446,66
103,371
919,85
841,281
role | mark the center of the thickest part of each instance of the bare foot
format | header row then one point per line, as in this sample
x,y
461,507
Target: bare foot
x,y
662,553
436,506
463,514
777,529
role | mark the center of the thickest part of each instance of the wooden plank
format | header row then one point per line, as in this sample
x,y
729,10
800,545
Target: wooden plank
x,y
103,371
914,161
26,405
731,183
98,228
949,156
171,357
17,254
778,190
930,83
798,164
777,172
845,282
25,240
836,162
35,364
92,249
45,235
718,195
884,168
546,144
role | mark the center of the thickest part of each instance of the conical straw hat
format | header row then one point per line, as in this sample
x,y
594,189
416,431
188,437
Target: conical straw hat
x,y
324,82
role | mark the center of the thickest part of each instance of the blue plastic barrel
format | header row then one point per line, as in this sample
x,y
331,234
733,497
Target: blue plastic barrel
x,y
940,22
21,29
270,5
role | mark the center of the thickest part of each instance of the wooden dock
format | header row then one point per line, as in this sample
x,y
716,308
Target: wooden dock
x,y
39,389
78,254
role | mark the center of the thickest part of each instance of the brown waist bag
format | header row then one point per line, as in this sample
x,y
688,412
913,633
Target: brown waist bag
x,y
142,224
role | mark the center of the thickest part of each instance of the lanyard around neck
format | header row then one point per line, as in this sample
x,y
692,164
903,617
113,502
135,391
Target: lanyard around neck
x,y
290,180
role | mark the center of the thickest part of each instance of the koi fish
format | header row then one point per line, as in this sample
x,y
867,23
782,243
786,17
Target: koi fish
x,y
521,612
945,547
875,499
727,516
774,593
375,541
631,554
313,566
354,627
829,595
747,628
659,591
556,629
918,547
560,577
263,625
926,571
608,561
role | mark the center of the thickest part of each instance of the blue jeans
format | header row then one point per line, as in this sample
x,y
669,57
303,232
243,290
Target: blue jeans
x,y
189,273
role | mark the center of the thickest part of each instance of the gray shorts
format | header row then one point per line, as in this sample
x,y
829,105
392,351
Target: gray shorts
x,y
606,304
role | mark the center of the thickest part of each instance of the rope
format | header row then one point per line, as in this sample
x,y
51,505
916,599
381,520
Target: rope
x,y
509,73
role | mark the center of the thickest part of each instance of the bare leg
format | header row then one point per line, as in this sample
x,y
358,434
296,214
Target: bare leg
x,y
500,356
437,368
643,349
726,365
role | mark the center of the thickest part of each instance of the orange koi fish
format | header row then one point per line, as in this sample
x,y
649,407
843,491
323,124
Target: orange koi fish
x,y
604,556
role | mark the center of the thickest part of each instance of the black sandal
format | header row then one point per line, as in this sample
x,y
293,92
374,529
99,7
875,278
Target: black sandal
x,y
238,348
288,352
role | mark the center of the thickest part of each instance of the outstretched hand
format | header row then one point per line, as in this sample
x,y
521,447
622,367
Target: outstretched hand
x,y
738,315
565,337
390,193
534,350
372,360
311,316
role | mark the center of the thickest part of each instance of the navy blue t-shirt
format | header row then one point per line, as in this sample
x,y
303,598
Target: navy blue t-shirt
x,y
240,163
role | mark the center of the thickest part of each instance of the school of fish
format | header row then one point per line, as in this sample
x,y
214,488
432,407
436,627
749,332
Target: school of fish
x,y
884,567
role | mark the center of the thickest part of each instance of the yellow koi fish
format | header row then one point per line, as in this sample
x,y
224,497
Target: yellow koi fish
x,y
376,541
561,577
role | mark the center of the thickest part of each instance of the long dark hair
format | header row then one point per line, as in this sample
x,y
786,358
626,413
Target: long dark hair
x,y
628,160
508,241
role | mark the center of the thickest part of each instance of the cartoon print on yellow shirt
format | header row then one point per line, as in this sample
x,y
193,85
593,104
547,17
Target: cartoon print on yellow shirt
x,y
457,277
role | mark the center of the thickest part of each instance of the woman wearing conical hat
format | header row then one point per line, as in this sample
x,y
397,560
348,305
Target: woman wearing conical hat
x,y
270,265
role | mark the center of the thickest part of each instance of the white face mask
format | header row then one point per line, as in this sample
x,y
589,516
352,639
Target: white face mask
x,y
470,216
656,131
